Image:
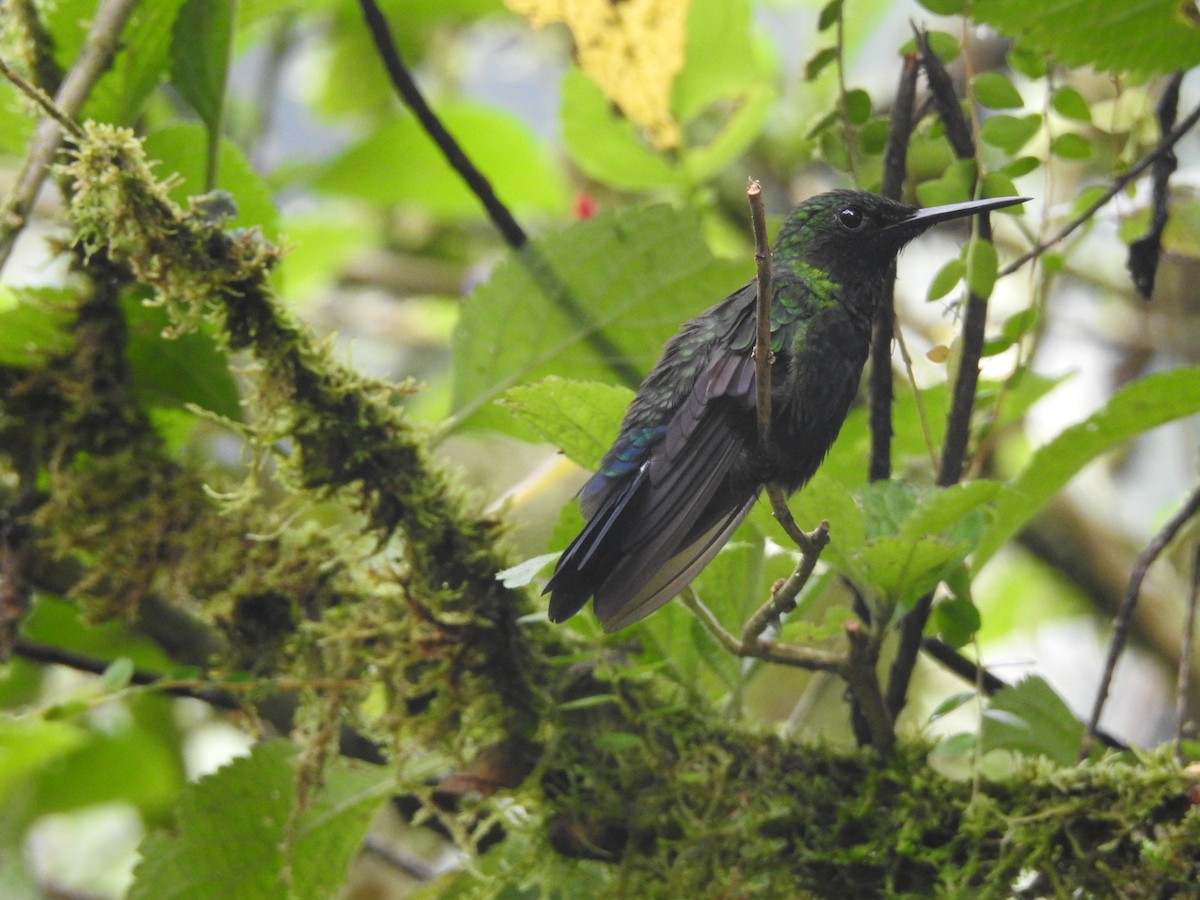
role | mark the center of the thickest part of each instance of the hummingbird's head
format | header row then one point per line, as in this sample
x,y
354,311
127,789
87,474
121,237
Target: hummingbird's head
x,y
853,237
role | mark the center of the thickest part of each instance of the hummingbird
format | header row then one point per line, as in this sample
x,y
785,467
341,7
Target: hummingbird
x,y
687,465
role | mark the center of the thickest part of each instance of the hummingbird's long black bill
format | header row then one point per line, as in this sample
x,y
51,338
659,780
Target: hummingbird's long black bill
x,y
923,218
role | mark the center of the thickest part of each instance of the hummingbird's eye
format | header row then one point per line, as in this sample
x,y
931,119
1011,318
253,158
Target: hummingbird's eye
x,y
851,218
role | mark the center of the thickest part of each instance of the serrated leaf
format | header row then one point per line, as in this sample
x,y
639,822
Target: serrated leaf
x,y
1147,36
982,265
634,276
1031,719
229,832
995,91
1137,407
581,418
885,505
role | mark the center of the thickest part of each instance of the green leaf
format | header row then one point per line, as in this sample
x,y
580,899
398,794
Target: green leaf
x,y
1021,166
858,106
118,674
634,276
982,265
229,832
1145,36
999,184
201,41
174,372
1069,103
34,324
955,185
604,144
1135,408
720,61
995,91
956,621
1031,719
28,744
1071,146
950,704
944,45
1020,324
829,14
1010,133
581,418
945,280
818,62
1027,61
141,62
399,164
885,504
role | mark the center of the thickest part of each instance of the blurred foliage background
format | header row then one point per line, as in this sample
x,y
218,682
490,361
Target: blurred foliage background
x,y
621,136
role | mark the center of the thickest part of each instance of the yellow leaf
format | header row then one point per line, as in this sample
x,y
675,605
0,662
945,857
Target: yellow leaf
x,y
632,49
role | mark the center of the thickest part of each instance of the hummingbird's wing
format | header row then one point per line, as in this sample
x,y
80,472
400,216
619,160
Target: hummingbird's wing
x,y
650,531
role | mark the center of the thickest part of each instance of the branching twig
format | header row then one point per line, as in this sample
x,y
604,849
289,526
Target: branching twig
x,y
768,651
1124,616
92,62
764,358
1164,146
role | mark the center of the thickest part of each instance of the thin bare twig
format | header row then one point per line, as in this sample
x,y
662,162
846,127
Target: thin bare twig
x,y
768,651
764,358
1124,616
1183,678
94,59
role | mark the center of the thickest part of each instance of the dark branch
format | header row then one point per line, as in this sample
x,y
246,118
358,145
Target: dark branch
x,y
1184,677
895,158
513,234
1145,251
1164,146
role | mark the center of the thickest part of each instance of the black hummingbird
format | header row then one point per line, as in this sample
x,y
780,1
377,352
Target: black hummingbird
x,y
687,465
